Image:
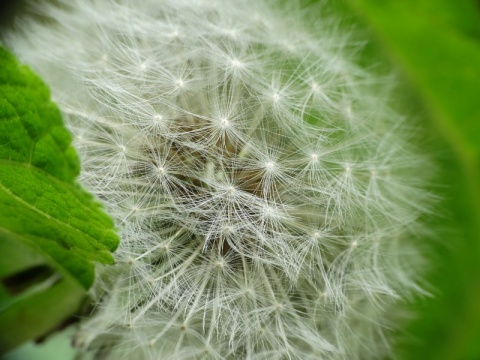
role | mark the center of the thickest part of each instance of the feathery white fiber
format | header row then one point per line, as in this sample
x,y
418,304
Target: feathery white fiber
x,y
266,194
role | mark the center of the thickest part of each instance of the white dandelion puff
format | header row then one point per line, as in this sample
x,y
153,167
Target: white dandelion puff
x,y
266,194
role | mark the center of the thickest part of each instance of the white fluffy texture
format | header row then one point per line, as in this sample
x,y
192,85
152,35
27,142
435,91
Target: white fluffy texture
x,y
266,194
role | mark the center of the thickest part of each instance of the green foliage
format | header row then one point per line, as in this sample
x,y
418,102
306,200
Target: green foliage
x,y
51,230
437,44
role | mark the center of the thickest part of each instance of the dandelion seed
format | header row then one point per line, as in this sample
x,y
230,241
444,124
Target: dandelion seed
x,y
236,63
179,83
270,166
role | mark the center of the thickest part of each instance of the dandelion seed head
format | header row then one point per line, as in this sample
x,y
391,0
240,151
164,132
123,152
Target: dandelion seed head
x,y
262,215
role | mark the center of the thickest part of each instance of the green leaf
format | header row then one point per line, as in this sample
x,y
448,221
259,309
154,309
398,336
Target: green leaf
x,y
42,205
437,44
44,309
51,230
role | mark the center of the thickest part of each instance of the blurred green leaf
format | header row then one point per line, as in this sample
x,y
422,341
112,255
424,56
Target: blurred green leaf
x,y
41,311
437,44
51,230
56,347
